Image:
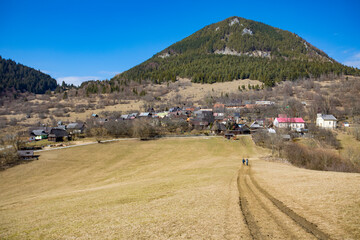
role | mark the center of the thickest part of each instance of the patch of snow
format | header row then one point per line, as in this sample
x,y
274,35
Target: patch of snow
x,y
164,55
235,20
258,53
247,31
217,28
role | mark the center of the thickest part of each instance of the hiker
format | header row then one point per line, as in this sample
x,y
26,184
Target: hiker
x,y
243,161
247,162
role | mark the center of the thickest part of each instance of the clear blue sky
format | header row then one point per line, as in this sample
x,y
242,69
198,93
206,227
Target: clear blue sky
x,y
81,40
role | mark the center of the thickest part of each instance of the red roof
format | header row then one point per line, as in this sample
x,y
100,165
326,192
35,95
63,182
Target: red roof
x,y
290,120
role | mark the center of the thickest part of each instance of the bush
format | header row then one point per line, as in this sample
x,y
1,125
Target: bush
x,y
8,157
119,128
317,159
324,136
144,130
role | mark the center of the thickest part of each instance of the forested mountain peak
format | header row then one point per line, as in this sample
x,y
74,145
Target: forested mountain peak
x,y
237,48
239,36
19,77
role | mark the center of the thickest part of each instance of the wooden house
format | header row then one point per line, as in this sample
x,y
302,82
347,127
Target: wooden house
x,y
38,135
58,135
218,128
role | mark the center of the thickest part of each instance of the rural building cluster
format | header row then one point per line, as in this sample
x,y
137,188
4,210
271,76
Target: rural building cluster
x,y
221,119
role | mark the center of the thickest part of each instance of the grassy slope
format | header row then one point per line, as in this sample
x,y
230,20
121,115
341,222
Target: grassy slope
x,y
350,147
162,189
130,189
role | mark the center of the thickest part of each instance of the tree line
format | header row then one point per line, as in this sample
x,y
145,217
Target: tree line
x,y
19,77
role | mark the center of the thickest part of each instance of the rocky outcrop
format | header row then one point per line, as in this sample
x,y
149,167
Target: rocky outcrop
x,y
247,31
257,53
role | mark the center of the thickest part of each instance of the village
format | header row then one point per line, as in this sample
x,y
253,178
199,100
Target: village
x,y
228,120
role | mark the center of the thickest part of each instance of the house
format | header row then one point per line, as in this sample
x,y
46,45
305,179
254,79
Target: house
x,y
326,121
204,115
264,103
38,135
239,129
202,118
162,114
233,106
133,115
27,154
218,128
219,107
145,115
175,109
293,123
219,116
124,117
57,135
271,130
75,128
256,125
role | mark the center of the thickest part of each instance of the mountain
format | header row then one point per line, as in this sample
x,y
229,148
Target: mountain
x,y
237,48
19,77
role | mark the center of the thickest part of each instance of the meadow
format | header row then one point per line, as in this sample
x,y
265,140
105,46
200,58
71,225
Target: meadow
x,y
173,188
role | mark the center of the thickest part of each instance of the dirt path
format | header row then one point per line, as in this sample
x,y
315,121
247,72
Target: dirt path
x,y
267,217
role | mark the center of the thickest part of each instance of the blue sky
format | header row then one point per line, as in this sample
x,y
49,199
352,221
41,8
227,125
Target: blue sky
x,y
82,40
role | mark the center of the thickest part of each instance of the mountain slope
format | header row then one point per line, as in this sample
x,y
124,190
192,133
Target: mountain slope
x,y
23,78
237,48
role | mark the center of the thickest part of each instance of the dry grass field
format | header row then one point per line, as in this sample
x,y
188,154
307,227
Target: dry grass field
x,y
174,188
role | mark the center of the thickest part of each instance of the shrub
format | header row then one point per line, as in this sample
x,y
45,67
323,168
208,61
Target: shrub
x,y
317,159
144,130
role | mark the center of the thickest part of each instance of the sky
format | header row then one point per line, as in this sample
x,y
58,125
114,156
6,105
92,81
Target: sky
x,y
76,41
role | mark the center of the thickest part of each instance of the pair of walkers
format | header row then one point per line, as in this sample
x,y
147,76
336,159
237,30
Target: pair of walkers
x,y
247,161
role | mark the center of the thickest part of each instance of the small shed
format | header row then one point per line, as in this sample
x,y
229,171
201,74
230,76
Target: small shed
x,y
27,154
229,135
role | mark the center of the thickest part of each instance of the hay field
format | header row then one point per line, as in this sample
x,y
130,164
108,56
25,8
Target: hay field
x,y
172,189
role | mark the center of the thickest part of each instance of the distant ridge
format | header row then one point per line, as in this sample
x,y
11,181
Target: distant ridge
x,y
19,77
237,48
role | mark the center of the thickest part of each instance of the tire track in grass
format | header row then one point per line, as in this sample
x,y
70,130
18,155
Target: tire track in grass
x,y
271,214
301,221
248,217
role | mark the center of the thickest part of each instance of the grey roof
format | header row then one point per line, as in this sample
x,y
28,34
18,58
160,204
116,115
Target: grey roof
x,y
328,117
75,125
39,132
144,114
58,132
255,125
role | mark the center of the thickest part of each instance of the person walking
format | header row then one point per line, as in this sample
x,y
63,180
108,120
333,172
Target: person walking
x,y
247,162
243,161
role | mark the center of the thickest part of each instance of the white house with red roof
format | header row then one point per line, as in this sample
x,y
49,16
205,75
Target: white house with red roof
x,y
293,123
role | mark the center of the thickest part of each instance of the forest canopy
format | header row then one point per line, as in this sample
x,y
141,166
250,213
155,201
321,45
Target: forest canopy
x,y
19,77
